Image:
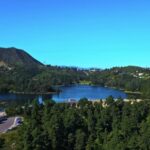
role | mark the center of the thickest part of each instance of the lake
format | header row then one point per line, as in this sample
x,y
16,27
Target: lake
x,y
91,92
74,92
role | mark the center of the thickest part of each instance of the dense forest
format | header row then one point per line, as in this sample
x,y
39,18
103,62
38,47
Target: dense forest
x,y
20,72
118,125
85,126
44,79
131,78
35,79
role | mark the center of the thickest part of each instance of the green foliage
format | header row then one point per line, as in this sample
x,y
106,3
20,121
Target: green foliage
x,y
80,140
125,78
119,126
2,141
87,126
45,79
34,79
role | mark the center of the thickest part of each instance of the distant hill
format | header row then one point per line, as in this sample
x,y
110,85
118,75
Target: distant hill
x,y
13,56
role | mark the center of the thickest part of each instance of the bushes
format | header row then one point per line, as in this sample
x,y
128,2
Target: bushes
x,y
120,125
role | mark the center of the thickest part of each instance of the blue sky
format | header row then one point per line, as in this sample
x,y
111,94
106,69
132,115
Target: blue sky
x,y
84,33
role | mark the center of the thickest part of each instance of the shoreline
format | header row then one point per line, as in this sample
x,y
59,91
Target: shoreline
x,y
57,92
131,92
125,91
33,93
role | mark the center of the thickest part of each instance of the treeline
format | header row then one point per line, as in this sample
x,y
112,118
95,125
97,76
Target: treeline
x,y
125,78
44,79
60,126
34,79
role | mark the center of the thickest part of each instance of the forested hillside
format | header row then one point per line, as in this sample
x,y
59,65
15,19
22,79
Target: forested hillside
x,y
43,79
34,79
20,72
119,126
131,78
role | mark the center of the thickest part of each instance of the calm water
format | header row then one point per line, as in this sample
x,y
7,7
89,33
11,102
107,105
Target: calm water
x,y
74,91
90,92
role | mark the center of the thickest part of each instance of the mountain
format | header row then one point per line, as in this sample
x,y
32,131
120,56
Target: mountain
x,y
13,56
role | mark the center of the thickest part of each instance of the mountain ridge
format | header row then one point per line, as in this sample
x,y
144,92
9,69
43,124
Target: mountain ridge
x,y
13,56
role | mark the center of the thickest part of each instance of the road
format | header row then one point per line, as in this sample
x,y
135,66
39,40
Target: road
x,y
4,126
